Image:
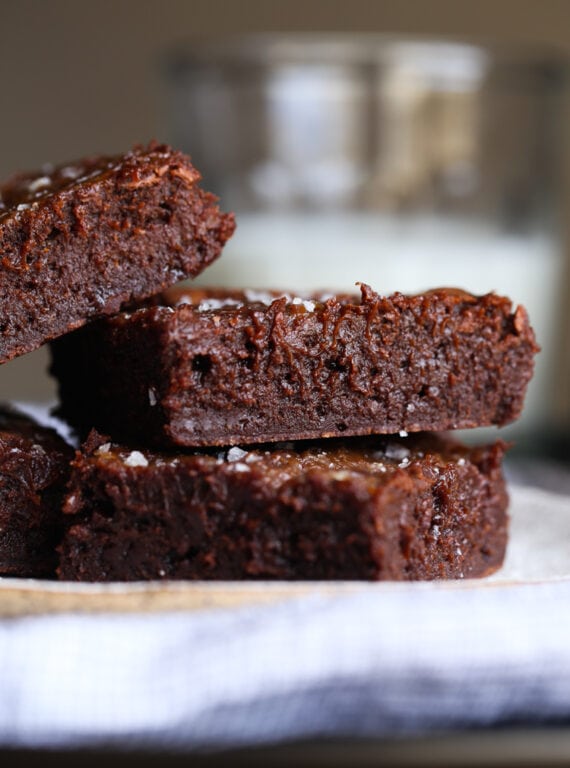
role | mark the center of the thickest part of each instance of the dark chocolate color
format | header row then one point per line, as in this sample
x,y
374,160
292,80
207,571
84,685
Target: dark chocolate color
x,y
34,465
367,508
246,368
80,240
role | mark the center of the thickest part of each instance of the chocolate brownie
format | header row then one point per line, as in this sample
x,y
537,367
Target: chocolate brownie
x,y
79,240
372,508
218,368
34,465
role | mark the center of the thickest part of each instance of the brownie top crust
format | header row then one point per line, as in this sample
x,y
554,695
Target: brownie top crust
x,y
32,455
27,190
433,302
140,167
19,429
374,458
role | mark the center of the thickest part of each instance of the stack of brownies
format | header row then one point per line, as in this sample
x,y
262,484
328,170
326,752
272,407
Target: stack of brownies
x,y
237,435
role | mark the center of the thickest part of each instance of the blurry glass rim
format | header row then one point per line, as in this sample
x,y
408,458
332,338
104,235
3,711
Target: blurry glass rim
x,y
441,59
444,63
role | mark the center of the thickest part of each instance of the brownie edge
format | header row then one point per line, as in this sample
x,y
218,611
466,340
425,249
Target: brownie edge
x,y
79,240
377,508
34,465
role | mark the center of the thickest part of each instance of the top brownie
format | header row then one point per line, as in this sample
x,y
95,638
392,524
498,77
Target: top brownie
x,y
206,368
80,240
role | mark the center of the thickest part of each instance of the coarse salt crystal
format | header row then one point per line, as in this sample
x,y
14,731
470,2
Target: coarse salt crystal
x,y
403,433
39,183
236,454
207,305
70,172
136,459
259,297
341,474
105,448
151,396
307,303
396,452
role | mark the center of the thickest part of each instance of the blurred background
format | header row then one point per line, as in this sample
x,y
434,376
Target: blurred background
x,y
405,144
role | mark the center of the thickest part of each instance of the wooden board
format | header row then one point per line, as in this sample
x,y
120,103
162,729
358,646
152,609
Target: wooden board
x,y
539,551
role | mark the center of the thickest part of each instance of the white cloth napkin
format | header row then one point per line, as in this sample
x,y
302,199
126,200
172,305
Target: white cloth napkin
x,y
410,660
392,659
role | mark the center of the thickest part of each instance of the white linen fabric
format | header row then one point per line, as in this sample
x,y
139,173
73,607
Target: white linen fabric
x,y
414,659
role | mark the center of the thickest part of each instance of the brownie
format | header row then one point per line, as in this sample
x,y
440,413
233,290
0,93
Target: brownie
x,y
34,465
80,240
218,368
374,508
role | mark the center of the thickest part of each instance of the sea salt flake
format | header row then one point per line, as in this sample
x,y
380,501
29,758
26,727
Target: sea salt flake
x,y
236,454
105,448
152,396
307,303
342,474
136,459
403,433
207,305
461,462
70,172
39,183
259,297
396,452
